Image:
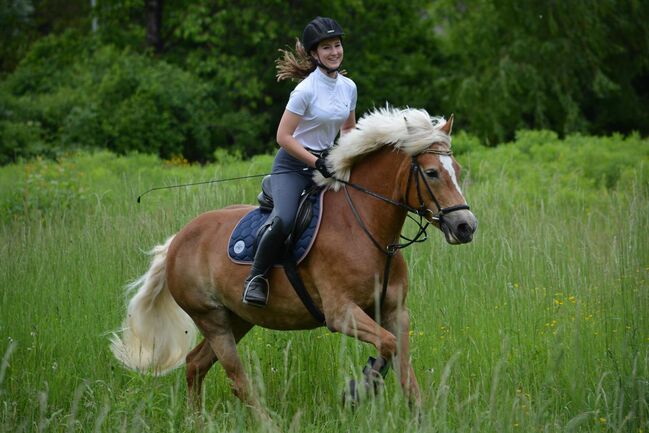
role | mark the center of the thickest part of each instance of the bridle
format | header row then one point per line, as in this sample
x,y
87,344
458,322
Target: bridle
x,y
422,211
420,177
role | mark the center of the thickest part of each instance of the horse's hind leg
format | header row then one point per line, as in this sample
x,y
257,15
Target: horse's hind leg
x,y
199,361
202,357
218,326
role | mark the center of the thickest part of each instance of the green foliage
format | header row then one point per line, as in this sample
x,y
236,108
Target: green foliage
x,y
152,107
539,324
578,169
47,65
42,189
463,142
21,140
73,96
565,66
96,92
392,55
14,31
501,66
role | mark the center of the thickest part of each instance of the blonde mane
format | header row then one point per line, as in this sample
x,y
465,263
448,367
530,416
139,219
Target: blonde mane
x,y
409,130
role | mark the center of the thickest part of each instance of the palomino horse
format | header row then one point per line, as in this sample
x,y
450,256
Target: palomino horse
x,y
399,161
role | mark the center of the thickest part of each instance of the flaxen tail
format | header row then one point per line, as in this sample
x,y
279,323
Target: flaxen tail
x,y
157,334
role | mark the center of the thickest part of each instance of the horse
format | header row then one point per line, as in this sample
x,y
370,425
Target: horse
x,y
395,162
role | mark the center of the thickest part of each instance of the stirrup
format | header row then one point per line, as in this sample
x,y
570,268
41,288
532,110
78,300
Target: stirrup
x,y
256,291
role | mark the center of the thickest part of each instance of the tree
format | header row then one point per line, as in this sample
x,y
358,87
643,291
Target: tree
x,y
566,66
14,32
153,10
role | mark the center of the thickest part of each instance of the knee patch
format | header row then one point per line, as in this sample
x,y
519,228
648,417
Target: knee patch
x,y
278,228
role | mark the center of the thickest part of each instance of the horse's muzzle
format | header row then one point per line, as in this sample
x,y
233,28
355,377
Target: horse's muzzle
x,y
459,226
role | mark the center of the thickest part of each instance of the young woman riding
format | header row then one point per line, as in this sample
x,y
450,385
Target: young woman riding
x,y
320,106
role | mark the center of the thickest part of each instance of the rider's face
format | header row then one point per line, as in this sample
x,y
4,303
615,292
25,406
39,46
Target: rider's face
x,y
330,52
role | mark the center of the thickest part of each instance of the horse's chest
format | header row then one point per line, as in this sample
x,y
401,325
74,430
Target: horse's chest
x,y
367,293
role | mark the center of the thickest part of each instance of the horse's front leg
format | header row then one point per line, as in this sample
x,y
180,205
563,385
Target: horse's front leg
x,y
353,321
398,322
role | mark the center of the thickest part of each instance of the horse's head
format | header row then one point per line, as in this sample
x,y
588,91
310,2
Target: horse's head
x,y
429,176
434,189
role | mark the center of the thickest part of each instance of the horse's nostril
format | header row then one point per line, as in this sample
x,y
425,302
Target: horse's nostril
x,y
464,229
464,232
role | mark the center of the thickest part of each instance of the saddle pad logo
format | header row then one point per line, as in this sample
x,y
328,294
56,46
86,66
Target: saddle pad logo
x,y
239,247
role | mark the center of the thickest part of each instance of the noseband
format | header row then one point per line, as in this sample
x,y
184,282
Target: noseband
x,y
422,211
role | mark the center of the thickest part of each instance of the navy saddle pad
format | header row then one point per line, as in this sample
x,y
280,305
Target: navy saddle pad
x,y
243,237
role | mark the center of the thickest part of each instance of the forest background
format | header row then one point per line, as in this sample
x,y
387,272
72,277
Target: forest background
x,y
188,78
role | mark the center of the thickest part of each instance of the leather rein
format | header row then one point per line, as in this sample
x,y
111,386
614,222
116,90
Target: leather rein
x,y
422,212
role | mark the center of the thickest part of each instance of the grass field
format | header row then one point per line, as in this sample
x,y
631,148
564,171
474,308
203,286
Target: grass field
x,y
540,325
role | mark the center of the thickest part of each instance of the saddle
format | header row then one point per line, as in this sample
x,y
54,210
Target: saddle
x,y
243,240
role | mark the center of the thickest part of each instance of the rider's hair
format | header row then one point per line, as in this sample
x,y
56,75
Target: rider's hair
x,y
295,65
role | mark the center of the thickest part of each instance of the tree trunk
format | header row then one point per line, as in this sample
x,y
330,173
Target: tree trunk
x,y
153,10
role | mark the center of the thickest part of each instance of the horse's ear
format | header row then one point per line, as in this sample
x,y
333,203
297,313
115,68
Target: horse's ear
x,y
448,126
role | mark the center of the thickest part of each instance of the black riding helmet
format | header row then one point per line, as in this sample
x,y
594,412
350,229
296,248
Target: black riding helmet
x,y
319,29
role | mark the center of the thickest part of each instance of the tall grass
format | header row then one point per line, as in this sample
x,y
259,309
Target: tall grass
x,y
541,324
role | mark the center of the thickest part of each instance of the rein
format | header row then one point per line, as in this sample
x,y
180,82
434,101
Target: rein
x,y
422,211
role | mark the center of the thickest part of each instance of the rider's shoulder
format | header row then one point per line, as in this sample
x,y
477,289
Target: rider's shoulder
x,y
347,82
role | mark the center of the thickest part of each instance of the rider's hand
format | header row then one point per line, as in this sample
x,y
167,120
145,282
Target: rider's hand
x,y
322,167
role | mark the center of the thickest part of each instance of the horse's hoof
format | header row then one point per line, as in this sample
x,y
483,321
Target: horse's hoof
x,y
373,383
351,397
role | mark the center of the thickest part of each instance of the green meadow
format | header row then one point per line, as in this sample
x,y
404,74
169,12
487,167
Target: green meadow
x,y
541,324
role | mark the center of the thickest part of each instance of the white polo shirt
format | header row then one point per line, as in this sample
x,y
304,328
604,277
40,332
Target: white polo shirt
x,y
324,103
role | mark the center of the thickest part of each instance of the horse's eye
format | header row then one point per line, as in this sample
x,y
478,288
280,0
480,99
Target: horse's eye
x,y
432,173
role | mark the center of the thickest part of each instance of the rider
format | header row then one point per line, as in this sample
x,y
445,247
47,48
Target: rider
x,y
321,105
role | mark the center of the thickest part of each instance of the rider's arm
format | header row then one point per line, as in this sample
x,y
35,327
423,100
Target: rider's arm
x,y
349,124
285,130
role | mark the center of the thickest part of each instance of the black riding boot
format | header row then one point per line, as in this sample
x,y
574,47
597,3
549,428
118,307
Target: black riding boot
x,y
255,288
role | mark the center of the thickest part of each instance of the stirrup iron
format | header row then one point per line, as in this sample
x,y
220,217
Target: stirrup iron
x,y
256,291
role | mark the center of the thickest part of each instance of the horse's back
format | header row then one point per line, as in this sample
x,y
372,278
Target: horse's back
x,y
209,230
198,256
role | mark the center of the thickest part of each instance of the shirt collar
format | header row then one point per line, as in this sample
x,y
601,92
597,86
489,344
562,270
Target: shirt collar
x,y
321,76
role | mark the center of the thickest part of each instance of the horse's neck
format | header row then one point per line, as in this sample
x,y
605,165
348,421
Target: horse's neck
x,y
381,172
